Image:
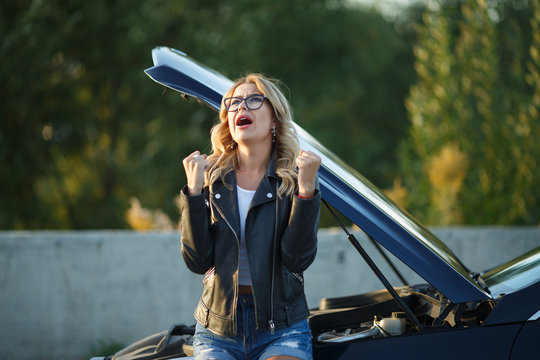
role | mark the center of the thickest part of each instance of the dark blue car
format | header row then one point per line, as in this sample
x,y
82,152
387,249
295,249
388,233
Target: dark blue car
x,y
456,314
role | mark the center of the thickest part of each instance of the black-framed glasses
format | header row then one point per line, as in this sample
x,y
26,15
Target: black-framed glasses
x,y
253,102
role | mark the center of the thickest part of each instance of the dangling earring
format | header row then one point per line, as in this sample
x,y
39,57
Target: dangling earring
x,y
233,144
274,134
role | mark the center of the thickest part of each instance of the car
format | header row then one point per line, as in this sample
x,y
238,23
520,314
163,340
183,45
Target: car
x,y
456,314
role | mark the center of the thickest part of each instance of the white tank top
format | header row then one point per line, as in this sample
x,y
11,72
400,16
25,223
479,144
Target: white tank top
x,y
244,200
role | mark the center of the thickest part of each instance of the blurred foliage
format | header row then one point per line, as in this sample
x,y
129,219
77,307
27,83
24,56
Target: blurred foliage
x,y
472,156
84,130
142,219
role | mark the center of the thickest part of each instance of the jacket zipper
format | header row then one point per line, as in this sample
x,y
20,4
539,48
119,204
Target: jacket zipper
x,y
235,302
252,287
271,324
296,275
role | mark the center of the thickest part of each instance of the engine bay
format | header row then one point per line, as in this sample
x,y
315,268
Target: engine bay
x,y
377,314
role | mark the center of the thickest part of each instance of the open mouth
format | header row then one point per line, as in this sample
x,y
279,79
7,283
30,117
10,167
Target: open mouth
x,y
243,120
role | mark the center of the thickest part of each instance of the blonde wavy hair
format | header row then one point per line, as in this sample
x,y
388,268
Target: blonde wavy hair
x,y
224,156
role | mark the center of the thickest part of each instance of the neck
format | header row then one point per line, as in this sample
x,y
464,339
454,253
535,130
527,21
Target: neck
x,y
254,158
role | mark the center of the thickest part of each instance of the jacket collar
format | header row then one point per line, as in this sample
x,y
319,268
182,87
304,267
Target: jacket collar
x,y
227,199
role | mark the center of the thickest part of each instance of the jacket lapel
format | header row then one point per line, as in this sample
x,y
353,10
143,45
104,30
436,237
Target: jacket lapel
x,y
266,191
226,201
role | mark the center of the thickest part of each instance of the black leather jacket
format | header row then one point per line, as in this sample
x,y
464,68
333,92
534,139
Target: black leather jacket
x,y
210,229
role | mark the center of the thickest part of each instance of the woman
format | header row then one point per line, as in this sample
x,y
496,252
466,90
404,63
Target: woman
x,y
250,213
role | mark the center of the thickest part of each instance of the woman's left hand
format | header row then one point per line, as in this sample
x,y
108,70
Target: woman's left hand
x,y
308,164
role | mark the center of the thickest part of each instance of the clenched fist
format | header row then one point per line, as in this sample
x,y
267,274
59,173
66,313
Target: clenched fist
x,y
308,164
195,165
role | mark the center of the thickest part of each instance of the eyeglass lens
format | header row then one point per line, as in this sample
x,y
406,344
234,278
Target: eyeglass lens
x,y
253,102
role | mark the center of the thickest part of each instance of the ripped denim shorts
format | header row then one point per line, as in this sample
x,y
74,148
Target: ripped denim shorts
x,y
250,343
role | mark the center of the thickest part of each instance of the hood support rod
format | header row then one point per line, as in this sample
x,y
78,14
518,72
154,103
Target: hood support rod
x,y
387,259
403,306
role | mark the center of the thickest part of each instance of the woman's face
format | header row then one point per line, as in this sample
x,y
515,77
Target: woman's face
x,y
250,126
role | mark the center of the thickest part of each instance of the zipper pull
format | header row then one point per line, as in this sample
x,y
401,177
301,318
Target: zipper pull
x,y
299,277
271,326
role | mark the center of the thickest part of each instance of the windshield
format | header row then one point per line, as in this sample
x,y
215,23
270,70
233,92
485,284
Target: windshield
x,y
515,274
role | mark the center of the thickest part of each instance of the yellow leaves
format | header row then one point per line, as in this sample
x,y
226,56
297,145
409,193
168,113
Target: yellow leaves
x,y
523,128
533,112
427,19
536,100
420,53
466,83
142,219
58,59
534,53
421,69
398,194
466,11
532,78
439,91
83,95
443,67
47,132
448,169
62,68
483,4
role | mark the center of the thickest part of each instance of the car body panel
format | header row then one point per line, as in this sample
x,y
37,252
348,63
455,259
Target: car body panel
x,y
526,343
519,306
449,344
342,187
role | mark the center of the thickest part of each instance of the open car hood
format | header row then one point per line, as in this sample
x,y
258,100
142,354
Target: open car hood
x,y
341,186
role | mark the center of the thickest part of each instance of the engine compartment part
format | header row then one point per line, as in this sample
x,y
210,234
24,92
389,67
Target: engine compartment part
x,y
389,326
375,314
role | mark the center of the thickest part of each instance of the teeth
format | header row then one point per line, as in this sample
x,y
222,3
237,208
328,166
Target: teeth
x,y
244,121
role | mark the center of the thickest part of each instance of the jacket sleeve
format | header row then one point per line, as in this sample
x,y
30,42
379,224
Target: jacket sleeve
x,y
299,240
197,246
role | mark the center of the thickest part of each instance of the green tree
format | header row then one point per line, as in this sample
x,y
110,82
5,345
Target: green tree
x,y
467,106
84,130
347,70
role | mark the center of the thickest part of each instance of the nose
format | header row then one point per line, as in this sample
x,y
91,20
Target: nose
x,y
243,105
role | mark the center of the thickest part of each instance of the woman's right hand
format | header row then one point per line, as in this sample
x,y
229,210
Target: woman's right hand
x,y
195,165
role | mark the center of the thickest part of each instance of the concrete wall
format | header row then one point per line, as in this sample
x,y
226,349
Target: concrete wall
x,y
65,294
